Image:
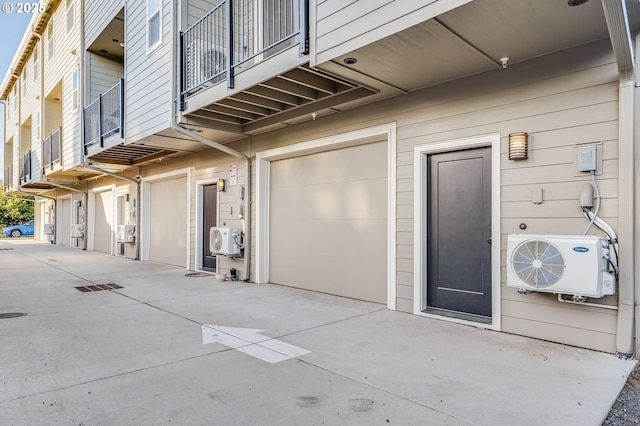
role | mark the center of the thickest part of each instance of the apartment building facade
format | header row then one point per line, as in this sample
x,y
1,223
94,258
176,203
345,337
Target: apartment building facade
x,y
357,148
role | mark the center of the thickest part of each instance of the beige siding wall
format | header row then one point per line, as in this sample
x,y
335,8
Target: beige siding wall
x,y
562,100
342,26
103,74
196,9
148,74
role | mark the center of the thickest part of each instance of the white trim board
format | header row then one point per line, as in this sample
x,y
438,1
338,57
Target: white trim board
x,y
419,223
200,219
342,140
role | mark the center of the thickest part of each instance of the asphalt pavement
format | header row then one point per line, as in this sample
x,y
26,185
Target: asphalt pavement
x,y
159,345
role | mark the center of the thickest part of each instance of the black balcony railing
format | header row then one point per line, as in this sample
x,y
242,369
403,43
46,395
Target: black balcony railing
x,y
250,32
51,149
104,116
8,178
25,168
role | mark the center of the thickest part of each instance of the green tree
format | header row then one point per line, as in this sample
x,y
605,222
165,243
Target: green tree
x,y
14,211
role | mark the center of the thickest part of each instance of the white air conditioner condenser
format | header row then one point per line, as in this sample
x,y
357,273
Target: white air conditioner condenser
x,y
225,241
561,264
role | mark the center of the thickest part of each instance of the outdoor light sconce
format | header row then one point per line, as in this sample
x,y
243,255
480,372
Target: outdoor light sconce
x,y
221,185
518,146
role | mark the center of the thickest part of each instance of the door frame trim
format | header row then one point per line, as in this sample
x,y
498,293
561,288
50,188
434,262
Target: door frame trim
x,y
145,220
420,224
91,212
200,184
357,137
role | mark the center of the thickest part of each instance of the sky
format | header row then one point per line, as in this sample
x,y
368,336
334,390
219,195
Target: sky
x,y
12,28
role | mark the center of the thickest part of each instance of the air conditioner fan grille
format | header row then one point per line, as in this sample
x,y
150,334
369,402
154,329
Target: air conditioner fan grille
x,y
217,240
538,263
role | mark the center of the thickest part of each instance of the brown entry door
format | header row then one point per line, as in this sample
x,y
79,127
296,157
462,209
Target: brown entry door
x,y
210,219
459,234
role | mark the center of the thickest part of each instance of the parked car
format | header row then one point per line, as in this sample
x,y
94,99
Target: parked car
x,y
18,230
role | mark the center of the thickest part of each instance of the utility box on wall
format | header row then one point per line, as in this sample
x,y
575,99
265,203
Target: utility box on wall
x,y
126,233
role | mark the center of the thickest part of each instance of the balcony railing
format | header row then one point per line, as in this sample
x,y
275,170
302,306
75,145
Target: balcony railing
x,y
8,178
104,116
51,149
250,30
25,168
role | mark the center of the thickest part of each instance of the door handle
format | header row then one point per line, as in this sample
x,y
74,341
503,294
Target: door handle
x,y
488,240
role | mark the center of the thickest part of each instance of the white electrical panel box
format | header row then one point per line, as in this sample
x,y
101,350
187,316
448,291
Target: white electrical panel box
x,y
587,159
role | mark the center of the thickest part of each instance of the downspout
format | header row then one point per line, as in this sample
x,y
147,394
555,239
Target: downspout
x,y
59,185
620,36
175,52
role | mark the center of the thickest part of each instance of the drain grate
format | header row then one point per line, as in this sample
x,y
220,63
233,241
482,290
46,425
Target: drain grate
x,y
196,274
98,287
12,315
6,249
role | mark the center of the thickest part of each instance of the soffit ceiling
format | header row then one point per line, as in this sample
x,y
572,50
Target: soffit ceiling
x,y
474,37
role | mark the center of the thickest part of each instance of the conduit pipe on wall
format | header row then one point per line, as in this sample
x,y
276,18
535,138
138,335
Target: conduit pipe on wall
x,y
175,52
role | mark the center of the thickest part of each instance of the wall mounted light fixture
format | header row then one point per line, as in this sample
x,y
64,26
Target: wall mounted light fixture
x,y
221,185
518,146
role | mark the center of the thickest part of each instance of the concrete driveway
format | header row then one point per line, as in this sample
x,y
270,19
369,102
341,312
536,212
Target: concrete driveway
x,y
167,348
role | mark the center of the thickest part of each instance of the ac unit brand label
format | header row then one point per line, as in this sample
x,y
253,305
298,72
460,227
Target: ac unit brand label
x,y
581,249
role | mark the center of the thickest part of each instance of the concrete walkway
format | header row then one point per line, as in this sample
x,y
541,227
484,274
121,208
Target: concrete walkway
x,y
137,355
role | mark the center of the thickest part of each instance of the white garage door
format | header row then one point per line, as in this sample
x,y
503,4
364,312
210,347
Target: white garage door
x,y
328,222
103,228
168,221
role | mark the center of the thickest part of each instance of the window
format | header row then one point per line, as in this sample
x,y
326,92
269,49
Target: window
x,y
15,96
24,80
154,23
74,89
36,63
50,39
71,12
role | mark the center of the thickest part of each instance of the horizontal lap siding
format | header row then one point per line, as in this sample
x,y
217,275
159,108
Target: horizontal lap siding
x,y
103,75
559,112
98,14
196,9
345,25
562,101
148,76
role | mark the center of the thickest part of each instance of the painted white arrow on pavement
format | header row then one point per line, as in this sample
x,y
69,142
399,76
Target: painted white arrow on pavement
x,y
251,342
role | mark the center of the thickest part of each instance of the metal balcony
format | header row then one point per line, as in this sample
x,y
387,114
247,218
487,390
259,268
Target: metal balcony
x,y
51,150
252,47
236,26
25,168
8,178
104,117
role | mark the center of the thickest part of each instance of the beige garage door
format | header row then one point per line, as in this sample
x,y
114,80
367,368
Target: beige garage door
x,y
168,221
103,228
328,222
